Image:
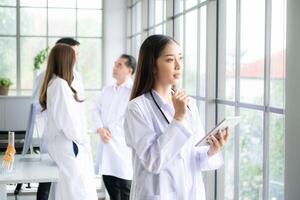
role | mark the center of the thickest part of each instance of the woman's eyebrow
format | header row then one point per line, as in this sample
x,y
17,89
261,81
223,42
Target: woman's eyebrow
x,y
180,54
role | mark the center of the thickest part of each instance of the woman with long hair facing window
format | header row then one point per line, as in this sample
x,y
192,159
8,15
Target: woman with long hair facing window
x,y
68,141
162,126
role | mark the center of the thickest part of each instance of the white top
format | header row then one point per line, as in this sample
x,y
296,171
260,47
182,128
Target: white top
x,y
166,163
113,158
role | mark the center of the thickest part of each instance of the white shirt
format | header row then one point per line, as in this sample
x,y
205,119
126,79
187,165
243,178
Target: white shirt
x,y
113,158
166,163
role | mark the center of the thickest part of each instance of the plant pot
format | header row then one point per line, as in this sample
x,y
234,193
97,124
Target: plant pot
x,y
4,90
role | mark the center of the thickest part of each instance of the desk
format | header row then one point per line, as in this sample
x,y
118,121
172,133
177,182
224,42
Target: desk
x,y
27,169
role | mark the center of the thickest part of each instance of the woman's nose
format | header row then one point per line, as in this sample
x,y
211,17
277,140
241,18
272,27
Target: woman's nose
x,y
178,64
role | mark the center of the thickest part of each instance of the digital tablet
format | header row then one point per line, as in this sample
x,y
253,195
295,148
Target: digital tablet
x,y
229,122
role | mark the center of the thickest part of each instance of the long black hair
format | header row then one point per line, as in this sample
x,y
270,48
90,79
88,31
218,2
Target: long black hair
x,y
150,50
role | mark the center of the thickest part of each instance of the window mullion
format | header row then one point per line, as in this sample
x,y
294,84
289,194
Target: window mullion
x,y
18,48
266,131
237,99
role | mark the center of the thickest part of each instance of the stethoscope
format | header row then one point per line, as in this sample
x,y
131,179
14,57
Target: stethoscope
x,y
163,114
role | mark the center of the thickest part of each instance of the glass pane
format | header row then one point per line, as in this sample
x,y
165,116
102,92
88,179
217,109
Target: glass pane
x,y
128,48
89,22
278,47
133,46
138,17
7,3
159,5
227,55
165,28
138,45
165,11
251,154
33,21
190,3
8,63
151,32
159,29
178,30
134,20
8,21
52,41
129,22
252,51
202,53
178,35
62,22
190,64
225,111
96,4
276,152
27,59
201,109
90,64
33,3
62,3
152,11
178,7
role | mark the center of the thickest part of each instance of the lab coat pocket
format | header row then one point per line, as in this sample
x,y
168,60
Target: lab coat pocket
x,y
168,196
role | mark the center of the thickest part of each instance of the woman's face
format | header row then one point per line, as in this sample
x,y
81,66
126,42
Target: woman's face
x,y
169,65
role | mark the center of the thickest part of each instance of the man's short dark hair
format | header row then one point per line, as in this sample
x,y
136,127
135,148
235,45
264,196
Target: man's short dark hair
x,y
68,40
131,62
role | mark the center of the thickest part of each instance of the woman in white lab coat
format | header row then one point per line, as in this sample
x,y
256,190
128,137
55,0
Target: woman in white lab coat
x,y
68,141
162,129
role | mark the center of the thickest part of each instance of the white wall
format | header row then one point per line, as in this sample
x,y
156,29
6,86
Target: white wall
x,y
114,35
14,112
292,134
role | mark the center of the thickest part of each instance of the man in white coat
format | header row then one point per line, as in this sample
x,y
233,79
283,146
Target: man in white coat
x,y
44,188
113,156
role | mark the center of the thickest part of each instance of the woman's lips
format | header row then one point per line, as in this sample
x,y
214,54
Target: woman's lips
x,y
177,76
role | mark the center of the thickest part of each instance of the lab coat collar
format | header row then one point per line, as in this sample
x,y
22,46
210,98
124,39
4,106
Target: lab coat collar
x,y
160,101
127,84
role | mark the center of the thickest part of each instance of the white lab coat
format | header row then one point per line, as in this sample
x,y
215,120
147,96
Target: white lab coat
x,y
113,158
166,163
67,123
76,84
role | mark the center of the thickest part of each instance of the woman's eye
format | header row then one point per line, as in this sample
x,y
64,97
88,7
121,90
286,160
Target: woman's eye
x,y
170,60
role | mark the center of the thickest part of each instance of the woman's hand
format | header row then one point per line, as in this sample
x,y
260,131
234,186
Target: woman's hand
x,y
217,142
180,102
104,134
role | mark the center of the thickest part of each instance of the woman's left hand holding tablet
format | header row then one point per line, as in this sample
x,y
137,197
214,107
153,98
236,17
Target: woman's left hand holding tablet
x,y
217,142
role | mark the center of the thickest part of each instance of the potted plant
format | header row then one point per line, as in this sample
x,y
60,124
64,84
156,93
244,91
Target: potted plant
x,y
4,85
40,58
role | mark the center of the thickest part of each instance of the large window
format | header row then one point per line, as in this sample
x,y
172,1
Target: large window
x,y
29,26
234,64
251,71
